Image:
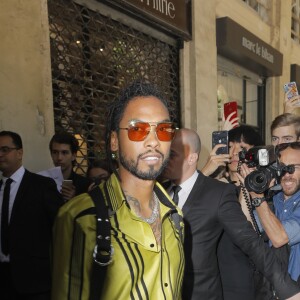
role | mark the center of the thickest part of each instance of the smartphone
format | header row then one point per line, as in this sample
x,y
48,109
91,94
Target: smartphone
x,y
291,89
229,108
68,182
220,137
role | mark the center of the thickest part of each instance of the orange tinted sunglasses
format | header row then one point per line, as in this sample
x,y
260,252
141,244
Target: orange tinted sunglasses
x,y
138,131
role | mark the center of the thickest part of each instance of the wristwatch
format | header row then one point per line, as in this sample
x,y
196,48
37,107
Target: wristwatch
x,y
258,201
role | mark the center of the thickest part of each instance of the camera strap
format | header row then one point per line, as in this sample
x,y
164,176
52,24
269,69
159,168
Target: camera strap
x,y
249,206
248,202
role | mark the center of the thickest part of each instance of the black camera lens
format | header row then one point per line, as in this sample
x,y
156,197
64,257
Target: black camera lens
x,y
258,181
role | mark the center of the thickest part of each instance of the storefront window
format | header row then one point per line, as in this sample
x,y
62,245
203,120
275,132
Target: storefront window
x,y
262,7
235,83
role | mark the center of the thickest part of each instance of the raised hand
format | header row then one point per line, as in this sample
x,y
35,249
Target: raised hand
x,y
214,161
229,124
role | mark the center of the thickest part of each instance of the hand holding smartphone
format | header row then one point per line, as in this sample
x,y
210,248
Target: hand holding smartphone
x,y
220,137
68,190
68,182
290,89
231,113
291,99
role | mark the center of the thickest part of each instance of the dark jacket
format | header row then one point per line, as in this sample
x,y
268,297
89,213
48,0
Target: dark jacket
x,y
236,269
30,232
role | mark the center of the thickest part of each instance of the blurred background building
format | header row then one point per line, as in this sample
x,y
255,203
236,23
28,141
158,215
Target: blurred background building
x,y
63,61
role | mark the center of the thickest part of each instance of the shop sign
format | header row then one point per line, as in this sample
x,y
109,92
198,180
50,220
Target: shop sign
x,y
258,49
172,15
246,49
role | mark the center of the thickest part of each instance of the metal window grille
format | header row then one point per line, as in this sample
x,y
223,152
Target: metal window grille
x,y
92,57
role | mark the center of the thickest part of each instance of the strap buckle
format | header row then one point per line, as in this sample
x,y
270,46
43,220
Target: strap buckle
x,y
103,258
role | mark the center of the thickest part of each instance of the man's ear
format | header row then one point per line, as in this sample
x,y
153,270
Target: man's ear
x,y
20,153
193,158
73,157
114,142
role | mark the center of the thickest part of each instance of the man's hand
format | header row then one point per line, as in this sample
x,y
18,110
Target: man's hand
x,y
68,191
214,161
296,297
291,104
229,124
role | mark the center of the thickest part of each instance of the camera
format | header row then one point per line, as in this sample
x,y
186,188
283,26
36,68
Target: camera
x,y
258,156
264,159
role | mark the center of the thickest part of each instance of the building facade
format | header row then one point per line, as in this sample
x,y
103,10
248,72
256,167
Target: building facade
x,y
63,61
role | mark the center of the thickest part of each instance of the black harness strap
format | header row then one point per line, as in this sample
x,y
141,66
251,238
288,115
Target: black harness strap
x,y
103,250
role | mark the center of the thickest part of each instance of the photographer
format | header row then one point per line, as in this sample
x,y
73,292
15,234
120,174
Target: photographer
x,y
282,226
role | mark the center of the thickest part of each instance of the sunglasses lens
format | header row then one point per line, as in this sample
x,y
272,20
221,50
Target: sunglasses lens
x,y
138,131
293,145
165,131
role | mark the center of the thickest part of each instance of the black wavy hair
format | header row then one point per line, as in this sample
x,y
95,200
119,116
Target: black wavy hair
x,y
116,109
65,138
247,134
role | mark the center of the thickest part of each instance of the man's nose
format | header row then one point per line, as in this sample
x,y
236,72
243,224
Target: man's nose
x,y
152,138
59,155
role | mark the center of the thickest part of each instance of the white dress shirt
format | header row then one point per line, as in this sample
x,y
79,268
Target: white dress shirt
x,y
186,188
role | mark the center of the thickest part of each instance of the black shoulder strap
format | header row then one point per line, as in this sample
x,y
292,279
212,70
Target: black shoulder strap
x,y
103,250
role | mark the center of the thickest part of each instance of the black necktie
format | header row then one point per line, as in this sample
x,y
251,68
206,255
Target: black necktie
x,y
4,217
176,189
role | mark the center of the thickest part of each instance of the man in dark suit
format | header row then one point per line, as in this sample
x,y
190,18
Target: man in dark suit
x,y
210,207
26,225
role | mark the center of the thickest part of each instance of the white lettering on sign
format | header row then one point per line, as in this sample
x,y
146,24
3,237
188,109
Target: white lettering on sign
x,y
165,7
248,44
258,50
266,55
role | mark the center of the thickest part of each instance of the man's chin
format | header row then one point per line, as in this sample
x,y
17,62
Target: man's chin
x,y
289,191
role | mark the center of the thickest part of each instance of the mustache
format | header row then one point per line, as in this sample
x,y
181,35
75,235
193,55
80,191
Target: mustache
x,y
288,180
151,152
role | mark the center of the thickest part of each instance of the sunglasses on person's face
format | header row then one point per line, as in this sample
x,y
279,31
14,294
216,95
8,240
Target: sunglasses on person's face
x,y
289,168
283,146
138,131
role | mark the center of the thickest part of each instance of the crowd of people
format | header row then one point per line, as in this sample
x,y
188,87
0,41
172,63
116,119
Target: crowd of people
x,y
146,223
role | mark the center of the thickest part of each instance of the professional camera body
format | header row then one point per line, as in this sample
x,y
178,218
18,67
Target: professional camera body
x,y
264,159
